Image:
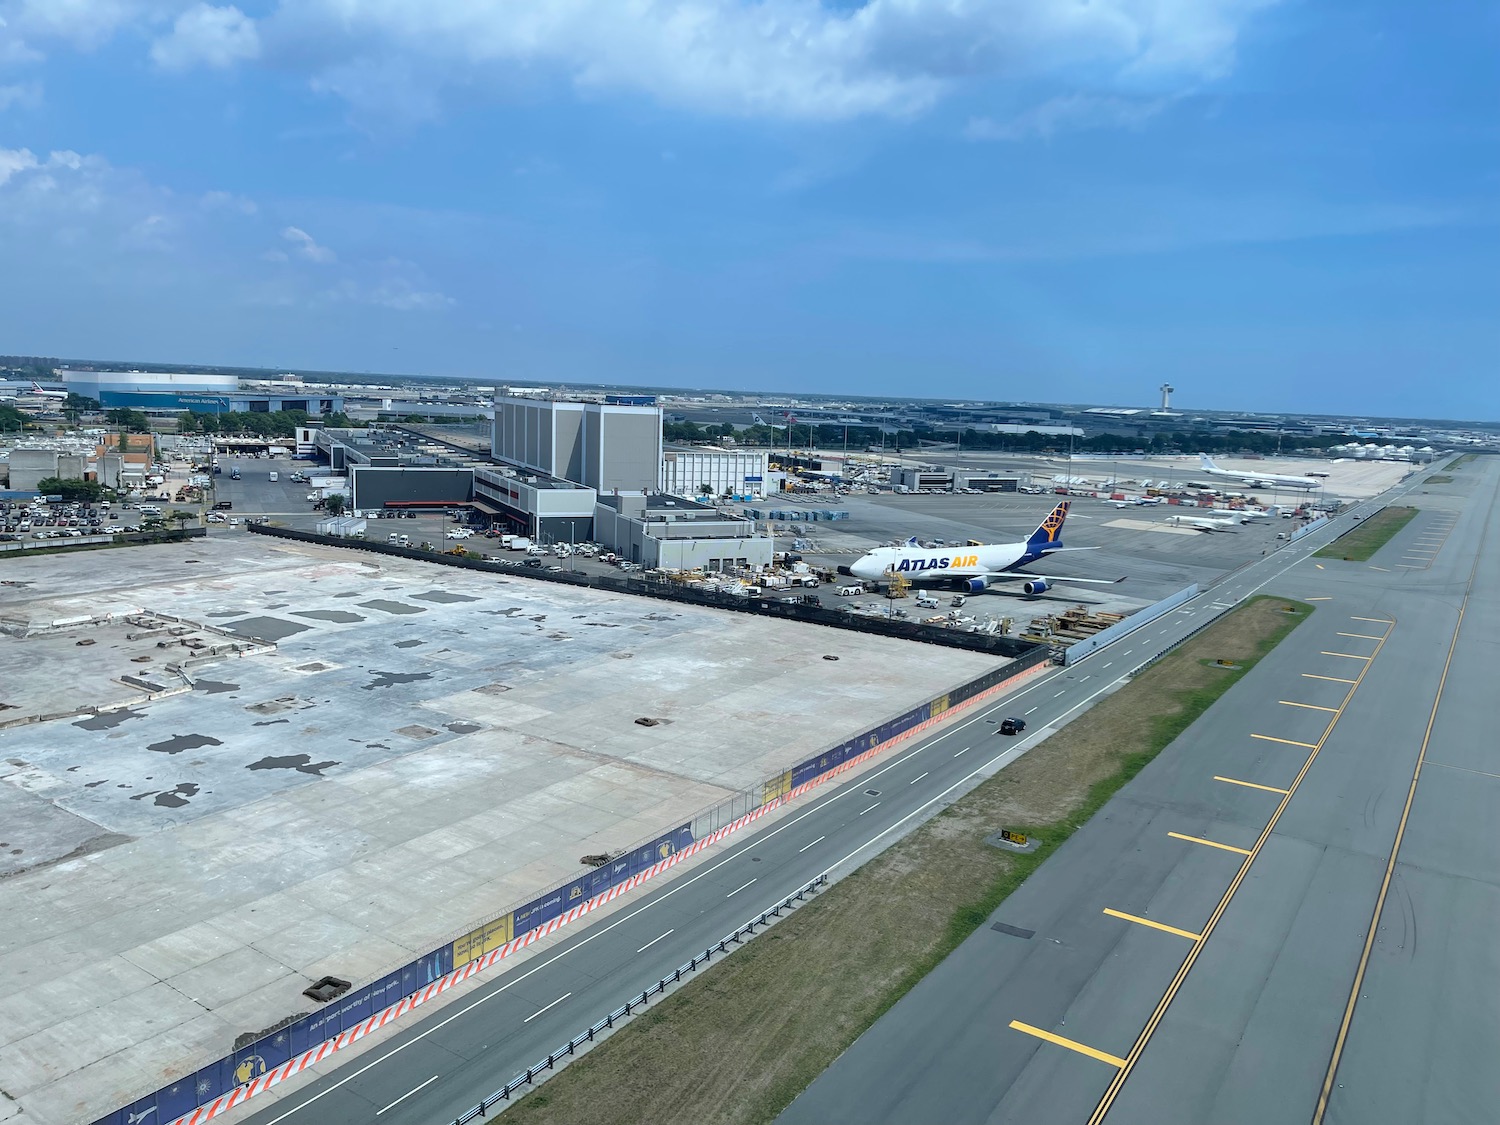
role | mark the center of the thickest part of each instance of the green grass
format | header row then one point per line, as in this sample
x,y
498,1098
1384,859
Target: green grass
x,y
739,1043
1458,462
1358,544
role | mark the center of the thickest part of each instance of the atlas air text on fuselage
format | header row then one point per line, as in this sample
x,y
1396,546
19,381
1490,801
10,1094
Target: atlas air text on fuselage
x,y
947,562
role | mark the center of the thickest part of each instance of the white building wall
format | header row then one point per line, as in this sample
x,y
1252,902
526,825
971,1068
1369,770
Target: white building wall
x,y
727,471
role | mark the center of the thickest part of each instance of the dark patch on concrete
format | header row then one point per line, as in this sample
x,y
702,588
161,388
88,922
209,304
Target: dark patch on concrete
x,y
391,607
558,637
270,629
177,797
540,617
214,687
376,746
302,763
337,616
271,593
225,613
276,605
180,742
416,731
463,727
315,666
390,679
496,688
142,796
107,720
95,784
622,655
443,597
601,624
88,847
348,594
409,644
270,722
513,612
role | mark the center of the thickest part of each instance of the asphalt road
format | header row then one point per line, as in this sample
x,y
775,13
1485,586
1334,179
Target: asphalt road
x,y
1196,945
432,1070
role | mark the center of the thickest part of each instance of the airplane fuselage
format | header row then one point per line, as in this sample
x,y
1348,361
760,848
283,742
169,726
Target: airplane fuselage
x,y
939,565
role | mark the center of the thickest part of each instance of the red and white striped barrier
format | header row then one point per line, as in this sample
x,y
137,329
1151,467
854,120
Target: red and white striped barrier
x,y
323,1050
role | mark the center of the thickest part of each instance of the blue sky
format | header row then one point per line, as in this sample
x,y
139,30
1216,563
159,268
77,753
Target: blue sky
x,y
1276,206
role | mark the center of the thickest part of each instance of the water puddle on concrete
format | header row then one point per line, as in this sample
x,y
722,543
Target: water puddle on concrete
x,y
180,742
443,597
266,628
391,679
513,612
391,607
107,720
408,644
337,616
461,727
302,763
214,687
171,798
270,722
348,594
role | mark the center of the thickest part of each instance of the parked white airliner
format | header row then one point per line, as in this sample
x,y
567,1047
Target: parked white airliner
x,y
1255,480
974,568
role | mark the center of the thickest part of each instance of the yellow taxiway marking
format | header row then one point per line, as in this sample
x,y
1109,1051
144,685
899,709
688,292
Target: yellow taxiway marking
x,y
1163,927
1362,636
1318,565
1248,784
1209,843
1374,620
1309,706
1072,1045
1334,679
1345,655
1285,741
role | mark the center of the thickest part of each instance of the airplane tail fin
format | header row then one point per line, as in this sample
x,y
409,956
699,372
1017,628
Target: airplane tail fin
x,y
912,542
1050,531
1206,461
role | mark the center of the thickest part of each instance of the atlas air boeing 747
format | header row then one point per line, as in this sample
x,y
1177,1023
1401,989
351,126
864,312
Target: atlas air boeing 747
x,y
975,568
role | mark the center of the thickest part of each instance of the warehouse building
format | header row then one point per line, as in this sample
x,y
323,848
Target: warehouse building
x,y
175,391
602,445
675,533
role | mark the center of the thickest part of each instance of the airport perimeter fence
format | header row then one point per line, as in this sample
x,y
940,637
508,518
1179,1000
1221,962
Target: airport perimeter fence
x,y
281,1052
20,547
726,945
667,590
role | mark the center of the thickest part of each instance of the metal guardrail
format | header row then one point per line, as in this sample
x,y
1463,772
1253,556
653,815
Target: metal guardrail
x,y
529,1075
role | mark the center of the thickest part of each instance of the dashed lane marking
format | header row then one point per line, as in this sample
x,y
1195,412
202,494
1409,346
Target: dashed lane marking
x,y
1209,843
1249,784
1162,926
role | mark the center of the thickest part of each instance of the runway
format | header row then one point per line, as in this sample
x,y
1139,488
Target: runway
x,y
1287,916
434,1070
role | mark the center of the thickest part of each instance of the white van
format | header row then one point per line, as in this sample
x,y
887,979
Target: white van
x,y
849,591
275,477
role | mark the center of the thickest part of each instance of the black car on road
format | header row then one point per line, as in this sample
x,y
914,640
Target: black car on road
x,y
1012,725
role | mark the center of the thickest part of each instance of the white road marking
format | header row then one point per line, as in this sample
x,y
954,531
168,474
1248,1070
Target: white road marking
x,y
962,752
876,805
408,1094
1063,692
654,940
914,780
738,889
804,848
1029,710
548,1008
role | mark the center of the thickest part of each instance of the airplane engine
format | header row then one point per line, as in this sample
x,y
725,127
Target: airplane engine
x,y
1036,586
976,585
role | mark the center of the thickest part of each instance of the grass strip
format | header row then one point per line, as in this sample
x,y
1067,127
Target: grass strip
x,y
1458,462
1367,537
1439,478
736,1045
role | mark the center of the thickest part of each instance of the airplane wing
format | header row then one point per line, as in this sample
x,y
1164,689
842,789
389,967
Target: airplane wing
x,y
1027,575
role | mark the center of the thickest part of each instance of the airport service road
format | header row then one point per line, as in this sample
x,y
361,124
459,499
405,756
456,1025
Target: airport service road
x,y
431,1071
1191,953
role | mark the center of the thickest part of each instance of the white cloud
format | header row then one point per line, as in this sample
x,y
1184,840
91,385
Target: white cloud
x,y
85,24
208,36
396,284
13,160
24,94
1071,113
795,59
304,246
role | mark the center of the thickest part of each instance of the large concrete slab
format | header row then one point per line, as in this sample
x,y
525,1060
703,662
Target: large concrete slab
x,y
427,748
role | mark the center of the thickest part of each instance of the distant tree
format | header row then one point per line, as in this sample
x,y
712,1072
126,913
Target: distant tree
x,y
12,419
414,419
72,490
134,421
334,503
